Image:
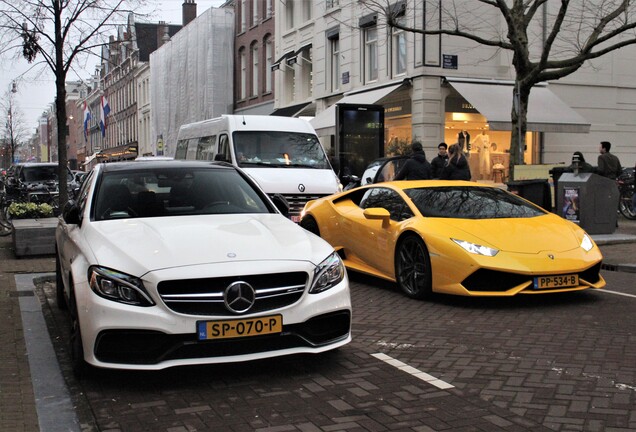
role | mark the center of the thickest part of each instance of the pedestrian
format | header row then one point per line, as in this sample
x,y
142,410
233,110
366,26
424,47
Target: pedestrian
x,y
416,167
608,164
578,162
456,167
438,162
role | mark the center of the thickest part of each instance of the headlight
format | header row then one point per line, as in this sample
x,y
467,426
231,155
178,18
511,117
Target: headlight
x,y
328,274
476,249
118,287
586,243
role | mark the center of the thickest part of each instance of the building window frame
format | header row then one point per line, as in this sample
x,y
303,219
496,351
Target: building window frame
x,y
370,63
255,74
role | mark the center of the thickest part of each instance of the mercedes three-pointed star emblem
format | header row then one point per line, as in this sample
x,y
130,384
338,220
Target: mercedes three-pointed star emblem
x,y
239,297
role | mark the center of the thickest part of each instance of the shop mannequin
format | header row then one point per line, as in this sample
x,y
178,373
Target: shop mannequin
x,y
463,139
484,155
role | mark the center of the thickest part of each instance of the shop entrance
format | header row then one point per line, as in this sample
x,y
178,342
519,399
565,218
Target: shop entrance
x,y
489,154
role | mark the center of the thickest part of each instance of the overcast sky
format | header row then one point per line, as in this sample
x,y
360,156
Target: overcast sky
x,y
37,93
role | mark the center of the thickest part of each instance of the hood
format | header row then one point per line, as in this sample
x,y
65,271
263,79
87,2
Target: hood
x,y
295,180
137,246
520,235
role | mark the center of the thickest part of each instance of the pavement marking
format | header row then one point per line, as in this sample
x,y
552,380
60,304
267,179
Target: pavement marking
x,y
618,293
52,399
413,371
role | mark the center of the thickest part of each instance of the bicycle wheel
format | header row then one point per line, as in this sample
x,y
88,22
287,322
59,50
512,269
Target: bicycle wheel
x,y
626,205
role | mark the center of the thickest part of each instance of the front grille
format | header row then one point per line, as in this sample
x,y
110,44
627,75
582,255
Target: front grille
x,y
297,202
205,296
152,347
497,281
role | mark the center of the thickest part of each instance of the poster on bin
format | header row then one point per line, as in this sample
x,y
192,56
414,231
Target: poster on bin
x,y
571,204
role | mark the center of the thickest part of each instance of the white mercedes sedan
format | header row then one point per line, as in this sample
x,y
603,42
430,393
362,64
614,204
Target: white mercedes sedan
x,y
173,263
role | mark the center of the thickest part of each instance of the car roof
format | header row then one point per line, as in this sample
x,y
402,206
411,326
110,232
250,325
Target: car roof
x,y
149,165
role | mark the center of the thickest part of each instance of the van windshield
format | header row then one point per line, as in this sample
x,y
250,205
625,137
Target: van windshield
x,y
279,149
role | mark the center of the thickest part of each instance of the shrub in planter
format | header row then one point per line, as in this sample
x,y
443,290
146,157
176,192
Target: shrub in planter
x,y
18,210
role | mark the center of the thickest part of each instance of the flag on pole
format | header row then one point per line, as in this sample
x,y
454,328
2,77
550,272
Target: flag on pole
x,y
87,118
105,108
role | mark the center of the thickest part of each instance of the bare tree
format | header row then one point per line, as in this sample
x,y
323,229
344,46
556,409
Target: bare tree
x,y
14,132
59,33
548,39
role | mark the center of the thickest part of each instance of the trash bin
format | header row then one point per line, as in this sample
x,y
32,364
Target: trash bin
x,y
589,200
556,174
536,191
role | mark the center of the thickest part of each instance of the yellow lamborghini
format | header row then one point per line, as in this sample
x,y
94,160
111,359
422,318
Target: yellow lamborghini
x,y
455,237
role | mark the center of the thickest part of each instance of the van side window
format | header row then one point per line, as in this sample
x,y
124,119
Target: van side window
x,y
206,148
182,149
192,149
223,152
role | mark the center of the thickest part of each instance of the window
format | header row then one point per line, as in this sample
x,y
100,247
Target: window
x,y
243,65
306,64
255,4
254,69
243,15
269,52
330,4
371,54
399,48
389,200
306,5
289,14
269,9
334,66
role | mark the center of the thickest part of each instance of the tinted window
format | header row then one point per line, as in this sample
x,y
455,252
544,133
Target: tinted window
x,y
471,203
387,199
174,192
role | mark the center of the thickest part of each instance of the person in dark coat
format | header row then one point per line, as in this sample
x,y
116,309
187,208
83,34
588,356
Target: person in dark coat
x,y
438,162
456,167
417,167
608,164
578,161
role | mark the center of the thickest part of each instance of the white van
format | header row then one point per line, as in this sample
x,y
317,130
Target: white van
x,y
282,154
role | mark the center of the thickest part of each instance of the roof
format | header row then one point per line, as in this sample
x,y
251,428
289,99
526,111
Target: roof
x,y
147,38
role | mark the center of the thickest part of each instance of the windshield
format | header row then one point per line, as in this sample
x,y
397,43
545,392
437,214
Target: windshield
x,y
279,149
174,192
471,203
43,173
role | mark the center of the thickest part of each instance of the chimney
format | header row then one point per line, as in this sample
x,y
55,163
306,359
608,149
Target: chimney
x,y
189,11
163,34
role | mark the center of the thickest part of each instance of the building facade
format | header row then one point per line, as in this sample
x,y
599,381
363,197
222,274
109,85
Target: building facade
x,y
436,88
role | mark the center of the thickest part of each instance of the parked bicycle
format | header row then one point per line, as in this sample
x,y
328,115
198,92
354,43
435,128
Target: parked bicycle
x,y
625,184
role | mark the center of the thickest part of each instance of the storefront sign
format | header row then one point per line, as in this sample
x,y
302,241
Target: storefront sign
x,y
396,109
459,104
449,61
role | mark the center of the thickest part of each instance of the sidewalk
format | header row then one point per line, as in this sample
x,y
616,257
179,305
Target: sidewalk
x,y
17,399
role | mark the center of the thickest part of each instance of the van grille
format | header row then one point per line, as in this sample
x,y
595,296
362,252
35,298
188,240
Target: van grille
x,y
297,202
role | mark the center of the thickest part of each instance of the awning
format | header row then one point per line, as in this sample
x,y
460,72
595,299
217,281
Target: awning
x,y
290,111
546,111
276,64
325,122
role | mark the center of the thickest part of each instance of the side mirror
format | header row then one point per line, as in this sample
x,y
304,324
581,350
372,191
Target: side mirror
x,y
281,204
71,213
378,213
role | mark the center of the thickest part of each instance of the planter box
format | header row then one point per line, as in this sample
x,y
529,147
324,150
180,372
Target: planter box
x,y
34,236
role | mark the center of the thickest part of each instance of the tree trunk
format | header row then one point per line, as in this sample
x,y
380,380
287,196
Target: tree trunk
x,y
60,109
519,116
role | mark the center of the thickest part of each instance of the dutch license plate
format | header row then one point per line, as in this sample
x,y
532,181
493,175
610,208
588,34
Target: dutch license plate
x,y
561,281
207,330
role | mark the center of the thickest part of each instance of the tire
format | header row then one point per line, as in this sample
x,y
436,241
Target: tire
x,y
310,224
626,206
59,285
80,368
413,268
